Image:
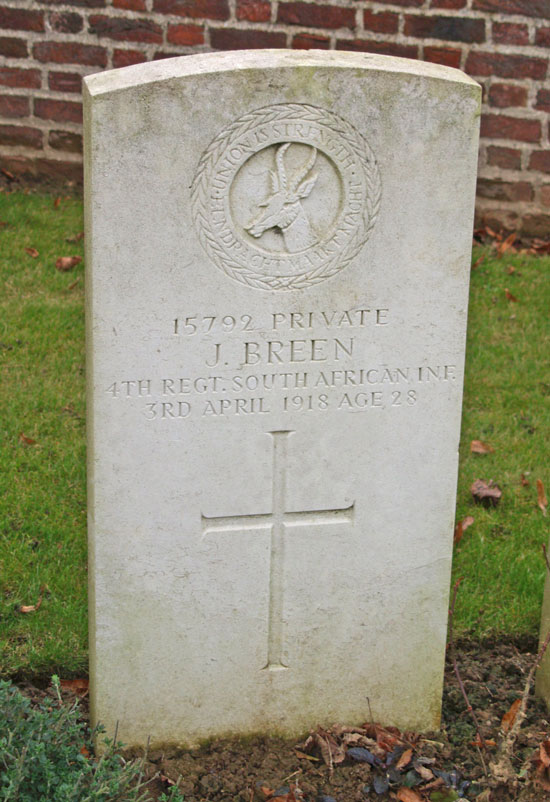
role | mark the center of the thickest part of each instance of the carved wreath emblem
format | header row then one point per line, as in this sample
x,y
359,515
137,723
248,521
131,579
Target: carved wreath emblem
x,y
286,196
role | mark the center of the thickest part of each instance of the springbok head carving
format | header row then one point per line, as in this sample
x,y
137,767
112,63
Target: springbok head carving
x,y
282,206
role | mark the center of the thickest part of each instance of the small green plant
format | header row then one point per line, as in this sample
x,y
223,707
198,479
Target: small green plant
x,y
45,756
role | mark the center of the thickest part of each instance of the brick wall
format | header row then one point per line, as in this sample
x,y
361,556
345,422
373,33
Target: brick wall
x,y
46,46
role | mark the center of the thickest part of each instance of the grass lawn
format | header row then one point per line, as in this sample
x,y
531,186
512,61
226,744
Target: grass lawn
x,y
43,499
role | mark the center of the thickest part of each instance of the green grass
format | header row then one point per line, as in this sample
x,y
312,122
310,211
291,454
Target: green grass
x,y
42,508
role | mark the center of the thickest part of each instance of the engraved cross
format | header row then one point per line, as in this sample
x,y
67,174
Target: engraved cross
x,y
277,521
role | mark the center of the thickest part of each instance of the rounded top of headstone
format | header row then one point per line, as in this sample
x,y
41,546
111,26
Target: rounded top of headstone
x,y
204,63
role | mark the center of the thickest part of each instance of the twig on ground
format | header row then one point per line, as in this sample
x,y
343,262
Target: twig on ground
x,y
459,678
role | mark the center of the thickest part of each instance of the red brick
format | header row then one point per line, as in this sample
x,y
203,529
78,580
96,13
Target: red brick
x,y
316,16
70,53
406,3
536,225
229,39
12,76
540,160
545,194
443,55
205,9
66,22
451,4
497,126
65,140
510,33
254,10
62,111
542,37
125,30
453,29
13,48
506,65
14,106
185,35
543,100
130,5
507,158
384,48
527,8
161,54
20,135
309,41
42,170
21,19
496,189
125,58
383,22
505,95
78,3
65,81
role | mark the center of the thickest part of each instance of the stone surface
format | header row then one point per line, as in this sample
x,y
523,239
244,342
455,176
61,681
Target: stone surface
x,y
278,259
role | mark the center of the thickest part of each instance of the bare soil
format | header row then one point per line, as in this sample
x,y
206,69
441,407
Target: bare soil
x,y
265,769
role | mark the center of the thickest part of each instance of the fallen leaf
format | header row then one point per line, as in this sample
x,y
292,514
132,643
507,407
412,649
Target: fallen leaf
x,y
424,772
541,496
73,285
478,262
509,717
478,447
31,608
510,270
544,753
32,252
76,238
84,751
507,244
524,481
509,296
65,263
56,203
461,527
78,686
408,795
404,760
304,756
26,441
7,174
481,744
486,493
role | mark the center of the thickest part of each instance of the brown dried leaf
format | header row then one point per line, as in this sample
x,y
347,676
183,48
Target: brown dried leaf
x,y
7,173
305,756
31,608
76,238
65,263
544,753
461,527
486,493
478,262
524,481
78,686
509,295
482,744
510,270
56,203
32,252
424,772
542,501
507,244
73,285
408,795
509,717
26,441
404,760
84,751
479,447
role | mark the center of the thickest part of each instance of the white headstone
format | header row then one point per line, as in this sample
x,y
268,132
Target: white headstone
x,y
278,260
